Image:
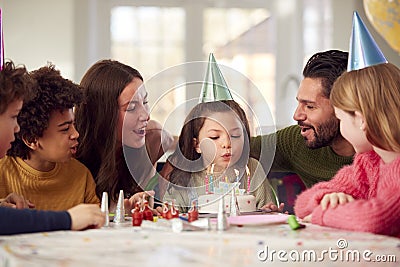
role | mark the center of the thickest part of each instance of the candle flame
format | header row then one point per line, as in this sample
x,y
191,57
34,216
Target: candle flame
x,y
247,170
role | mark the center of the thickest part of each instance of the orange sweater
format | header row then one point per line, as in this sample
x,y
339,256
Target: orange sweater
x,y
67,185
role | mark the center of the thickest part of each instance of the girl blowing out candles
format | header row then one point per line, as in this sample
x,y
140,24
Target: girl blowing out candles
x,y
215,133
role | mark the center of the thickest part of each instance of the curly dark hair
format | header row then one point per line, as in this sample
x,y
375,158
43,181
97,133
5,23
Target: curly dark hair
x,y
327,66
53,93
15,84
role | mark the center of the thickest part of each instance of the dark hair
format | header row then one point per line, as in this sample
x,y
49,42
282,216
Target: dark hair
x,y
96,122
327,66
53,93
15,84
185,156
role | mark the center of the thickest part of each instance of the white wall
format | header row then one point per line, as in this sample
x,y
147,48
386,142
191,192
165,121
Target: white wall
x,y
73,34
343,14
39,31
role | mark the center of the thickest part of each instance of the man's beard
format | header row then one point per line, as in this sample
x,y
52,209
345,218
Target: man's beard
x,y
325,133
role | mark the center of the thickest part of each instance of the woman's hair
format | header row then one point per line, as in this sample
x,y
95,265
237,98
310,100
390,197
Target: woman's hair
x,y
15,84
53,93
96,121
327,66
185,157
374,92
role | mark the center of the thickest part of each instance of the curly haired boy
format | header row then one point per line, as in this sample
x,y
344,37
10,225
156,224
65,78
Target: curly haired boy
x,y
40,164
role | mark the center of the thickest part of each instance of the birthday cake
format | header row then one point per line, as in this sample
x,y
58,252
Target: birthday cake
x,y
209,203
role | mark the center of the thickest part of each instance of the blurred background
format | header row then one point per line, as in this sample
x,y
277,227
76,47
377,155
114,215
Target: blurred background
x,y
266,41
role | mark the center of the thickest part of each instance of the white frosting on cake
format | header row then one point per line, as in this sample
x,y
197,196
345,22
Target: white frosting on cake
x,y
209,203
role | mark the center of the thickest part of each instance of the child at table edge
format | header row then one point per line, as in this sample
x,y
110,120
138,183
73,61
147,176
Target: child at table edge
x,y
40,164
15,85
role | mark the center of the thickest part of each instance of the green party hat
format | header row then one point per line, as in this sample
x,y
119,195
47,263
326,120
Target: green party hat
x,y
214,86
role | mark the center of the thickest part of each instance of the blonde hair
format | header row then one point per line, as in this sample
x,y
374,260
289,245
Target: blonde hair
x,y
374,92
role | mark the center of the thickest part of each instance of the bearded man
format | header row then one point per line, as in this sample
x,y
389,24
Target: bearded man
x,y
314,149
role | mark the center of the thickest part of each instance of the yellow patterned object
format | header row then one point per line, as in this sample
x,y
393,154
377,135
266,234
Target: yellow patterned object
x,y
384,15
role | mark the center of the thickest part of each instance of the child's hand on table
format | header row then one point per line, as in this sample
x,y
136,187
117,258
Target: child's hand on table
x,y
307,218
85,216
138,197
14,200
272,207
334,199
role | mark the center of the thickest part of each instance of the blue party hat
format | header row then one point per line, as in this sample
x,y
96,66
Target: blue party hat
x,y
214,86
364,52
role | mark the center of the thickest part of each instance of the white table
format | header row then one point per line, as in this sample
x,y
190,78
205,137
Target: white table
x,y
125,245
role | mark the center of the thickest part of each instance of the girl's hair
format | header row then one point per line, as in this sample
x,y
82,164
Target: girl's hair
x,y
15,84
185,157
53,93
96,121
374,92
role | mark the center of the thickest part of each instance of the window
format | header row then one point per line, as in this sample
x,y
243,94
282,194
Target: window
x,y
152,39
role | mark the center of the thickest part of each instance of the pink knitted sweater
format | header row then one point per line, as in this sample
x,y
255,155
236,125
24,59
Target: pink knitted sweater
x,y
375,187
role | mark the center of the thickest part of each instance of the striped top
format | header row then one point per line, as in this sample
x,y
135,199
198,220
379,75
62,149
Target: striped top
x,y
67,185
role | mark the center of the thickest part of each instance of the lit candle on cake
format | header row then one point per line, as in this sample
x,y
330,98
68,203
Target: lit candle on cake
x,y
206,182
248,179
237,175
211,178
236,187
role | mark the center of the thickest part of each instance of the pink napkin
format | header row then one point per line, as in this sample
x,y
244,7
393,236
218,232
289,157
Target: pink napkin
x,y
258,219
